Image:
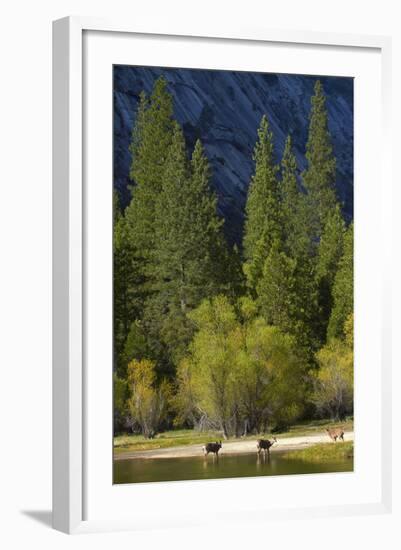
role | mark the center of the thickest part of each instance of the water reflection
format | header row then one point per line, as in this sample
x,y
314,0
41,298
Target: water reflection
x,y
262,459
224,466
211,464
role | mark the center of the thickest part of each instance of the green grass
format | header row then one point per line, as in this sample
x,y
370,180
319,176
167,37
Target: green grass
x,y
315,427
324,452
173,438
176,438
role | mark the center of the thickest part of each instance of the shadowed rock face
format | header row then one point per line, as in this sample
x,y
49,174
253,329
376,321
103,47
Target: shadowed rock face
x,y
223,109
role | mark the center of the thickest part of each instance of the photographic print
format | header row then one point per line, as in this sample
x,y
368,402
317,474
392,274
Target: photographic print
x,y
232,274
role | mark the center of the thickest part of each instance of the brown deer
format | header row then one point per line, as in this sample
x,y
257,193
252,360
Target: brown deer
x,y
265,444
335,433
212,448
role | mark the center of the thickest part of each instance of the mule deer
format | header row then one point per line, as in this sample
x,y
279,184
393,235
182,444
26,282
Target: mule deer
x,y
265,444
212,448
335,433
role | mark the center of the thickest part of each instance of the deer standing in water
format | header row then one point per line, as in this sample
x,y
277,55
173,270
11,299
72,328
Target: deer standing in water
x,y
265,444
335,433
212,448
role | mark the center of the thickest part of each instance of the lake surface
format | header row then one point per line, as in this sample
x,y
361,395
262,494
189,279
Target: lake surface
x,y
141,470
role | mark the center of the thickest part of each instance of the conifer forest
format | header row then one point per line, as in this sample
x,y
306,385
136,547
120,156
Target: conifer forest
x,y
236,332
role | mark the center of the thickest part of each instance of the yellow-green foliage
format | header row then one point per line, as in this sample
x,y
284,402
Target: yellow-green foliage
x,y
349,331
214,350
239,373
120,393
334,381
184,402
148,405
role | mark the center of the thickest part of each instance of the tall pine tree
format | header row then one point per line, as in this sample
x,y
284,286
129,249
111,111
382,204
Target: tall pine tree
x,y
343,288
137,134
149,148
320,175
127,284
189,245
188,232
276,289
286,297
330,251
262,211
288,187
293,206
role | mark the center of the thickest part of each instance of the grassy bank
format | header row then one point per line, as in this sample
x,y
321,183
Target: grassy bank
x,y
173,438
177,438
325,452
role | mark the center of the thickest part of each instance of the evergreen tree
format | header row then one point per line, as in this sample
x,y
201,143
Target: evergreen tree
x,y
127,297
286,296
319,177
213,258
116,207
330,250
262,220
136,344
343,289
277,289
149,148
289,195
137,133
293,207
187,228
232,273
307,305
189,246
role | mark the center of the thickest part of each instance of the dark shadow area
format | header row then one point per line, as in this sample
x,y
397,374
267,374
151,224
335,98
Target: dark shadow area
x,y
41,516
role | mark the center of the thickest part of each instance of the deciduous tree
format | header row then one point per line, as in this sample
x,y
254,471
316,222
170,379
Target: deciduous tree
x,y
148,403
333,382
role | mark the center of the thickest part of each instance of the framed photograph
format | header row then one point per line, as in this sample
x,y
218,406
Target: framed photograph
x,y
220,321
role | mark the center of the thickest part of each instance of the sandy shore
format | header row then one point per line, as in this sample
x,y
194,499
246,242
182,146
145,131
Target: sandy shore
x,y
233,447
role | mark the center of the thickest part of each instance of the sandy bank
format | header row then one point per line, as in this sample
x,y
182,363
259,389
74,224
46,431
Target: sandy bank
x,y
233,447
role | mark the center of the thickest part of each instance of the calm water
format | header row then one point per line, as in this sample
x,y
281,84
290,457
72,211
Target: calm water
x,y
244,465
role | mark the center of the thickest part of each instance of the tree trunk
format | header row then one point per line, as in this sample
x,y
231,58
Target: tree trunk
x,y
224,430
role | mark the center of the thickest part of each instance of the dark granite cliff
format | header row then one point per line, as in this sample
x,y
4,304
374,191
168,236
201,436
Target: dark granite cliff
x,y
224,109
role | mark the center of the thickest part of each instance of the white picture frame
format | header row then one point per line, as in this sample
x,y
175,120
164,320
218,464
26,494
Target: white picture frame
x,y
70,257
